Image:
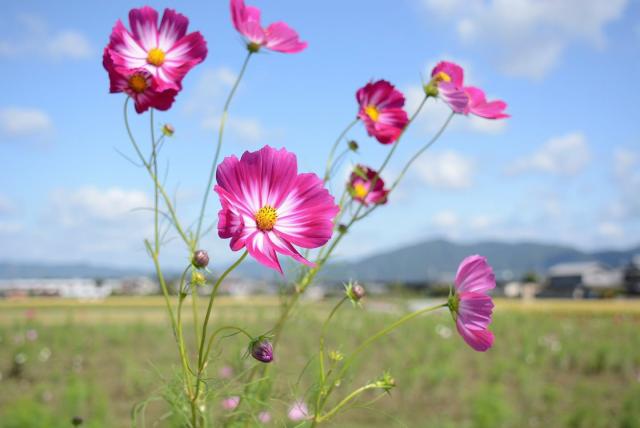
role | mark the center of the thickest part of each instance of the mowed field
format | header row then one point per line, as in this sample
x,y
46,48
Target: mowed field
x,y
554,364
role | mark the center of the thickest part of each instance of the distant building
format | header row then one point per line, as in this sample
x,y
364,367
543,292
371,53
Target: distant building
x,y
135,286
632,276
521,290
582,279
78,288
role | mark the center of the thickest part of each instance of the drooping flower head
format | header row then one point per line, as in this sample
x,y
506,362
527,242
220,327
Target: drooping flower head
x,y
298,411
166,52
381,110
267,207
277,37
470,305
140,85
447,81
360,186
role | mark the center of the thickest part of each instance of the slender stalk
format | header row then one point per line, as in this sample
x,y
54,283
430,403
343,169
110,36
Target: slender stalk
x,y
327,173
220,329
154,163
336,409
382,333
223,120
203,337
154,177
181,343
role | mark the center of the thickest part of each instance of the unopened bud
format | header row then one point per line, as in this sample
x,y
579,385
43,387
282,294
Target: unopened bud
x,y
76,421
168,130
355,291
262,350
353,145
386,382
342,228
200,259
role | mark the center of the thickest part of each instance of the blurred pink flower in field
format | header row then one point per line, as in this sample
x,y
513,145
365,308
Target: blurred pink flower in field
x,y
267,207
449,79
230,403
471,306
298,411
381,110
277,36
225,372
31,335
30,314
264,417
360,189
166,52
140,85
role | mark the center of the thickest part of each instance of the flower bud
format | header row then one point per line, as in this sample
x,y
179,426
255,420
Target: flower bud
x,y
342,228
197,278
355,291
336,356
76,421
262,350
353,145
386,382
200,259
168,130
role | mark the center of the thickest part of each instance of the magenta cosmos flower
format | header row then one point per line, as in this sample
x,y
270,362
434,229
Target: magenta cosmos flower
x,y
470,305
277,36
381,110
268,207
167,52
360,186
140,85
449,78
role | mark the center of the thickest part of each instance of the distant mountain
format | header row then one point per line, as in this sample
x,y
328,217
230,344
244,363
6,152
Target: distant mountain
x,y
18,270
429,260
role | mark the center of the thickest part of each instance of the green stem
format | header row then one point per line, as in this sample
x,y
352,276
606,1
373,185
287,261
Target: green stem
x,y
215,333
336,409
181,343
154,177
327,173
154,158
206,322
223,121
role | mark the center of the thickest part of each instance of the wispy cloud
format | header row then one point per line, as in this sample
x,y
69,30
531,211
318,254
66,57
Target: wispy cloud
x,y
446,170
528,37
19,122
39,41
565,155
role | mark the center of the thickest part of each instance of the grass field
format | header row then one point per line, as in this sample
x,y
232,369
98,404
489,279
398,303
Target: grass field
x,y
554,364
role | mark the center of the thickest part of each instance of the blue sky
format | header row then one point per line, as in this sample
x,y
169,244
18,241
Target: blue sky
x,y
565,168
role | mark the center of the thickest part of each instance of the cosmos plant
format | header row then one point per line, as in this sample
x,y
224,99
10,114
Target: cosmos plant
x,y
272,211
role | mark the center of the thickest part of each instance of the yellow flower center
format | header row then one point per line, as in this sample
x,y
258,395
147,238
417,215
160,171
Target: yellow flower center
x,y
137,83
155,57
266,218
442,77
372,112
359,190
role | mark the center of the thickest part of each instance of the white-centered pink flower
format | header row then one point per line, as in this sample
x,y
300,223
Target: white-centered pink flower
x,y
268,208
167,51
471,306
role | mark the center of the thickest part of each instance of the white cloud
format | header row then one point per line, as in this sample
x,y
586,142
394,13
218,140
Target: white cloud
x,y
39,41
24,122
626,172
565,155
528,37
445,219
210,90
610,230
445,170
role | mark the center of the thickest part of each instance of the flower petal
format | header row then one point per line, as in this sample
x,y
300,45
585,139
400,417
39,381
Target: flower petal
x,y
144,26
475,275
282,38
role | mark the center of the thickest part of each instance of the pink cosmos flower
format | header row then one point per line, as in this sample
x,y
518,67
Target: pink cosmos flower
x,y
140,85
264,417
360,189
267,207
167,52
449,78
298,411
277,36
230,403
381,110
471,306
225,372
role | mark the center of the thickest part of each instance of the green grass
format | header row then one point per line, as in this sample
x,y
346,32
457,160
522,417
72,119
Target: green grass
x,y
551,366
